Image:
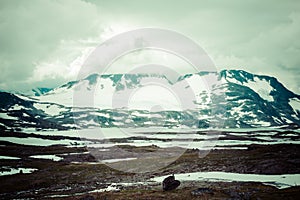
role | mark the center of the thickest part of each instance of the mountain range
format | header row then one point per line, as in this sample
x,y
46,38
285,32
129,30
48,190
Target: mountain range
x,y
225,99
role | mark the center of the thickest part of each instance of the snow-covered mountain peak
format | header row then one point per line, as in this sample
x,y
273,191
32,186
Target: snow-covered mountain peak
x,y
234,97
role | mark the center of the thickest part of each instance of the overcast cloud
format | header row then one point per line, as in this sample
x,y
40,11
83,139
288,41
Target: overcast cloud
x,y
43,43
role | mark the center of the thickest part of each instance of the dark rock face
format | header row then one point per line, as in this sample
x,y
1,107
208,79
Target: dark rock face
x,y
170,183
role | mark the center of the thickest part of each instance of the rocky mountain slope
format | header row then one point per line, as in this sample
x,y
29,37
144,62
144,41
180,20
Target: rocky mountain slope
x,y
231,98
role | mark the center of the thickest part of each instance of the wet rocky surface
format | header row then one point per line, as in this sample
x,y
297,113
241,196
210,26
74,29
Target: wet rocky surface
x,y
220,190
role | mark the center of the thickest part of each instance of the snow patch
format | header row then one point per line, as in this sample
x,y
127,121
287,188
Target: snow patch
x,y
49,109
295,104
6,116
16,107
49,157
9,158
279,181
117,160
261,87
11,171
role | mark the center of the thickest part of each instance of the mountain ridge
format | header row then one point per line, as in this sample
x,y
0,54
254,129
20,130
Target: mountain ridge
x,y
238,99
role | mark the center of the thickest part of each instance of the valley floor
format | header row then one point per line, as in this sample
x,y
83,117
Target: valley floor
x,y
73,173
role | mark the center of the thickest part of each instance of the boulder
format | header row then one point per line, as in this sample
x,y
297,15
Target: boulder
x,y
170,183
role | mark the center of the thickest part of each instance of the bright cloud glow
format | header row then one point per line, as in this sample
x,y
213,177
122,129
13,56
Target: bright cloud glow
x,y
43,43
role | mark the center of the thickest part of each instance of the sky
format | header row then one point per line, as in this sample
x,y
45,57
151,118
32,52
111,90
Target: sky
x,y
44,43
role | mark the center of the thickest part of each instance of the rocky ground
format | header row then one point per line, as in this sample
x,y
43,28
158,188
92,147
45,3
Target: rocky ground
x,y
78,175
201,190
